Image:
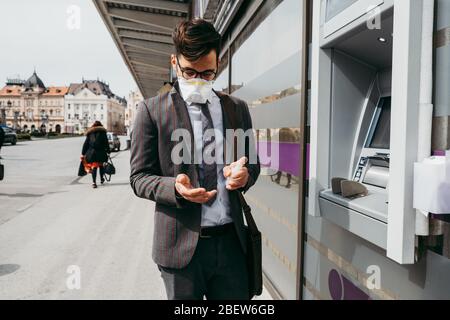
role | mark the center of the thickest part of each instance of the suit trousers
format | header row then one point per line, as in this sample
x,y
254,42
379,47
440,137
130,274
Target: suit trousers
x,y
217,271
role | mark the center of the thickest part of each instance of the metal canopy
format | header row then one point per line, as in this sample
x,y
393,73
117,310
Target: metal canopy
x,y
142,31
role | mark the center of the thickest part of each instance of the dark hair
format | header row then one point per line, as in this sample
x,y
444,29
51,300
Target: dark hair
x,y
195,39
97,124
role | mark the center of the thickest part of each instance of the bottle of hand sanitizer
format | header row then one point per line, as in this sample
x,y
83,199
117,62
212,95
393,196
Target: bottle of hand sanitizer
x,y
234,170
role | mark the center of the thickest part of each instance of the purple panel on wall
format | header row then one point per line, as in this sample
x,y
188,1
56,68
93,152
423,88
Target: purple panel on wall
x,y
308,148
288,156
335,285
439,153
343,289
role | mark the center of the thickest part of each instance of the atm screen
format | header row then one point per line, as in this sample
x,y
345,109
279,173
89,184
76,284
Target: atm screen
x,y
381,136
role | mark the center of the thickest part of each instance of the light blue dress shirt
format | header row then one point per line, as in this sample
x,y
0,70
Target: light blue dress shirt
x,y
219,213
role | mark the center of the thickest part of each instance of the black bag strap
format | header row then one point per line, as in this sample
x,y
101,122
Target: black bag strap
x,y
2,171
230,112
251,224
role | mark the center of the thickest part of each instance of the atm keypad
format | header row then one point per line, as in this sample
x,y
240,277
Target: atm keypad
x,y
361,166
358,174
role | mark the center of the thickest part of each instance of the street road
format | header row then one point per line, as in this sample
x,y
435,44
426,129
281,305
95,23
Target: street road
x,y
50,220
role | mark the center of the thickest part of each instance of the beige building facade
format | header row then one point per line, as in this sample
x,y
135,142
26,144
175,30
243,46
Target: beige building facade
x,y
90,101
31,106
134,98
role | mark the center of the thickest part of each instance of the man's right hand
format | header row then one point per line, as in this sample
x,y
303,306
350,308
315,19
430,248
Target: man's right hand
x,y
185,189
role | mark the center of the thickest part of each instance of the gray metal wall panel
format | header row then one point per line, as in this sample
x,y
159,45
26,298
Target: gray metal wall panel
x,y
425,280
442,14
442,82
307,295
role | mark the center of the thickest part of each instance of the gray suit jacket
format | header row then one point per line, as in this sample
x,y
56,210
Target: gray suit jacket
x,y
153,173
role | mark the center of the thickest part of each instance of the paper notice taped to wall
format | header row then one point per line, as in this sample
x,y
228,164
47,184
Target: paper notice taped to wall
x,y
432,185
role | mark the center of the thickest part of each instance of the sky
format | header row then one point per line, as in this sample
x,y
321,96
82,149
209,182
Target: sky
x,y
63,47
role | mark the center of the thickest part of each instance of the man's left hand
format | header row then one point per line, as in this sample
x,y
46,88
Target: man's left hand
x,y
237,174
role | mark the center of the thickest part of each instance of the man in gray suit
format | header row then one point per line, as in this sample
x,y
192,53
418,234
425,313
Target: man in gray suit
x,y
199,243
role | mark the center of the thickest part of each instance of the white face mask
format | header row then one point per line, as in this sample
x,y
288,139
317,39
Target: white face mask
x,y
196,90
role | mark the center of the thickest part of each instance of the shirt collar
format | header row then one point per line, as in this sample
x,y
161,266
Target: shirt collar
x,y
214,97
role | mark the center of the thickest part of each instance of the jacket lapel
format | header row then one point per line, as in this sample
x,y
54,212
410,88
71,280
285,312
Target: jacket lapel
x,y
225,104
181,111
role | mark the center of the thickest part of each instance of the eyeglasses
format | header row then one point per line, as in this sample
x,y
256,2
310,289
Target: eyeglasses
x,y
189,73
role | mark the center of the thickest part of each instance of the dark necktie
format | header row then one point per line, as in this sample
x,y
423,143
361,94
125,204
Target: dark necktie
x,y
208,170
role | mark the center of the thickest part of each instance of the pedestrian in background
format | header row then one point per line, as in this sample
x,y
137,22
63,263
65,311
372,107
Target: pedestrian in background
x,y
95,151
2,139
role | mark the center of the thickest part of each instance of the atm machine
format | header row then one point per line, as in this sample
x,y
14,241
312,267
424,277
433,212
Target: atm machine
x,y
357,198
365,83
366,190
373,163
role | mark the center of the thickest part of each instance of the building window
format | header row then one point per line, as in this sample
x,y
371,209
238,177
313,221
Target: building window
x,y
68,116
68,106
248,72
101,117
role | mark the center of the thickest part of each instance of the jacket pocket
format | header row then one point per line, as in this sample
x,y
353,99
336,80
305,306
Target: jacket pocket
x,y
165,233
